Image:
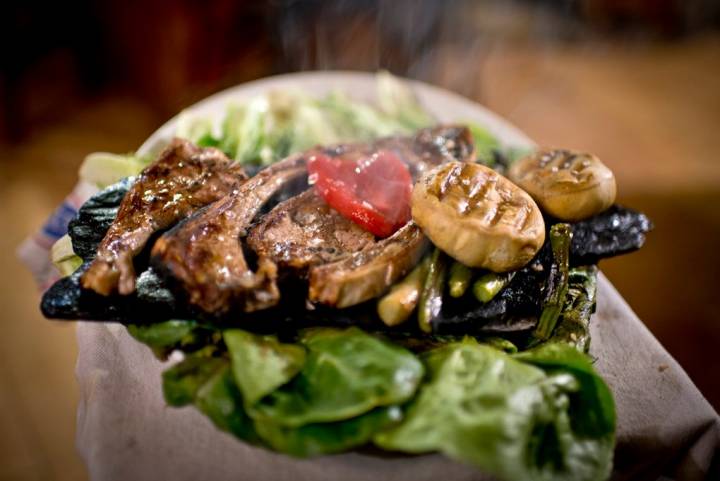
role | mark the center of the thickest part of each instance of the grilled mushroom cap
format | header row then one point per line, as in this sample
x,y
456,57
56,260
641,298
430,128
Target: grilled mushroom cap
x,y
478,216
568,185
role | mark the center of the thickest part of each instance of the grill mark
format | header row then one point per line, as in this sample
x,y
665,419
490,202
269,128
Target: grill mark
x,y
580,163
522,217
440,185
568,161
546,158
500,211
449,181
579,168
558,160
487,183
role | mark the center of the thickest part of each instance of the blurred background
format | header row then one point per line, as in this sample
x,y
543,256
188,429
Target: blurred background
x,y
635,81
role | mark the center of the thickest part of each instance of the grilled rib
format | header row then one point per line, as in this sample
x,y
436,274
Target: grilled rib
x,y
182,179
204,254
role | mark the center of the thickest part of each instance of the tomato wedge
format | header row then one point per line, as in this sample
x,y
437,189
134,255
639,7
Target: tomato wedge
x,y
373,191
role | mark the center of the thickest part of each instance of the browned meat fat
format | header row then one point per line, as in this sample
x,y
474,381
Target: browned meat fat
x,y
182,179
368,273
204,254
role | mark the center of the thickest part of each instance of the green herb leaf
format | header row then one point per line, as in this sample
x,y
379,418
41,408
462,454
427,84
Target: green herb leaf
x,y
485,143
162,334
221,401
592,409
326,438
165,337
261,364
181,382
346,373
509,418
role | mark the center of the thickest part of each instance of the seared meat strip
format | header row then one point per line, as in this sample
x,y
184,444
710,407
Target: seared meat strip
x,y
368,273
204,254
182,179
305,231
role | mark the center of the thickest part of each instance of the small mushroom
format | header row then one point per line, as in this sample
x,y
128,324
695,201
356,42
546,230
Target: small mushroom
x,y
568,185
478,217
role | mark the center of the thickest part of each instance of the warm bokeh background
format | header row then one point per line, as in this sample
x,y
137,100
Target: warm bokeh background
x,y
635,81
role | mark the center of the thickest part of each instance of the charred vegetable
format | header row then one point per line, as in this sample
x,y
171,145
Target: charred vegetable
x,y
459,280
431,297
396,307
478,217
568,185
487,287
557,286
616,231
574,325
94,218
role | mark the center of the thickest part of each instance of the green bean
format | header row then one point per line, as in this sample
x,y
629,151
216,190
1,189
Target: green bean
x,y
459,280
487,287
431,296
557,286
396,306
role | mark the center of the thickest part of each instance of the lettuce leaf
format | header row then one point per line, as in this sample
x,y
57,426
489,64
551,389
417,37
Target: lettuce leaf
x,y
592,409
346,373
510,418
261,364
182,382
221,401
326,438
165,337
485,143
207,383
397,99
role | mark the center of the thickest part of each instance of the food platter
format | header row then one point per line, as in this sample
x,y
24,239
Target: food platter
x,y
125,431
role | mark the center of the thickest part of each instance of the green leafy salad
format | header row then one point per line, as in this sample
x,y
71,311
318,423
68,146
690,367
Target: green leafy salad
x,y
534,410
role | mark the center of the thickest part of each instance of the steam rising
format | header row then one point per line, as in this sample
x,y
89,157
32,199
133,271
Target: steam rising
x,y
448,42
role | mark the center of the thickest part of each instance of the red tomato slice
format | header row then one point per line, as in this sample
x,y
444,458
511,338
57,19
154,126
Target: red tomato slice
x,y
373,191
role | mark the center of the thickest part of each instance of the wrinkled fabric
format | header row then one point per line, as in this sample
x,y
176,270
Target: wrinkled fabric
x,y
666,429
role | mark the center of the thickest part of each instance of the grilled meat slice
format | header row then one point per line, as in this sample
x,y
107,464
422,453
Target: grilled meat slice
x,y
305,231
204,255
368,273
182,179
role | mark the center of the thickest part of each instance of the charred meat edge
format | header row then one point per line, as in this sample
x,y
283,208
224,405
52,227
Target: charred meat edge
x,y
182,179
370,272
204,254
